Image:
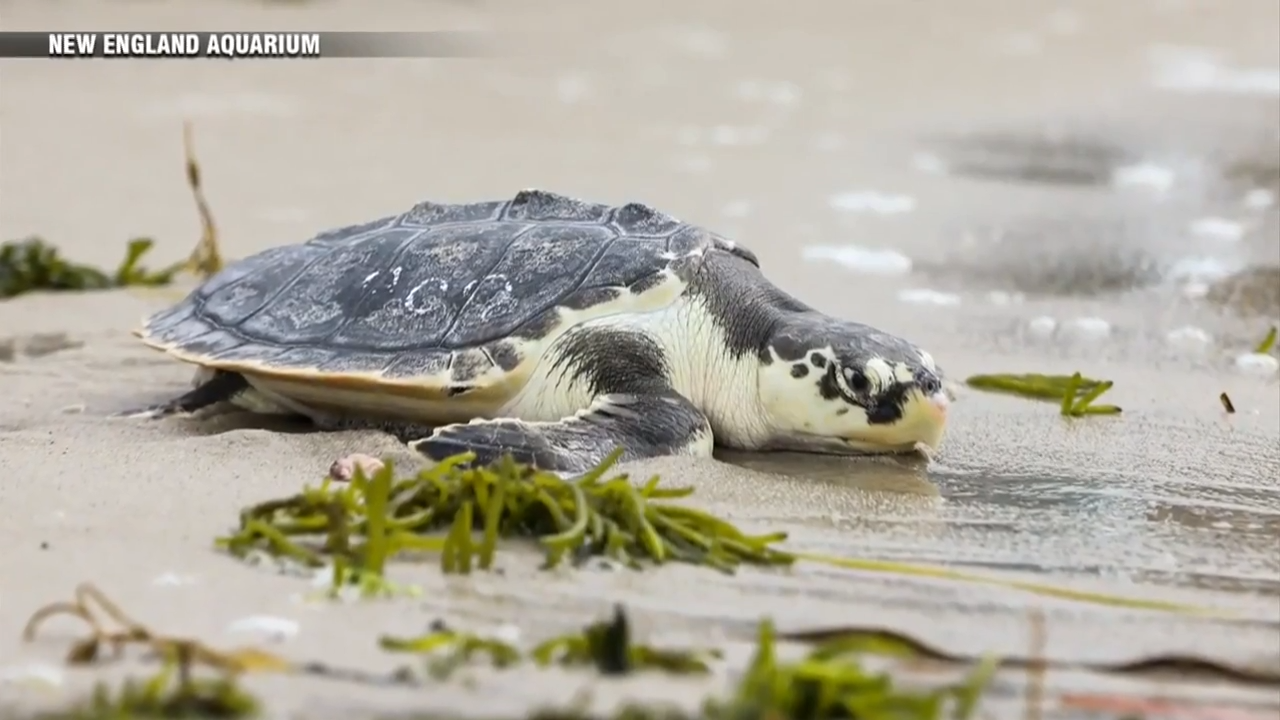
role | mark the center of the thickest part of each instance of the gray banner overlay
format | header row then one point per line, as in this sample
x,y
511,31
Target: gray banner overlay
x,y
244,45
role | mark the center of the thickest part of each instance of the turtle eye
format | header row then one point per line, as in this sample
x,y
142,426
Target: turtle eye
x,y
856,379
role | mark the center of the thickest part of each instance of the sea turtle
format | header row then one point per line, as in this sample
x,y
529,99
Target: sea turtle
x,y
549,328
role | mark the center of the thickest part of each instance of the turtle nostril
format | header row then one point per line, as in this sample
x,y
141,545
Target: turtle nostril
x,y
928,382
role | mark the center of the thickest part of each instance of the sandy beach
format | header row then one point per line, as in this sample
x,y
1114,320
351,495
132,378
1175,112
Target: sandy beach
x,y
1016,186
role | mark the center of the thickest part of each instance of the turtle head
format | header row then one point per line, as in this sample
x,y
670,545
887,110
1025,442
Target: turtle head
x,y
832,386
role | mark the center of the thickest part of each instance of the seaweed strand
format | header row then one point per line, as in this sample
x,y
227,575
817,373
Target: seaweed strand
x,y
441,510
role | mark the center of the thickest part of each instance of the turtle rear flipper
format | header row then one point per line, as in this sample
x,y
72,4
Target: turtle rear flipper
x,y
643,425
219,387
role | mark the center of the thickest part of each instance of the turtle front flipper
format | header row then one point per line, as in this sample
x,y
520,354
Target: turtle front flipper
x,y
644,426
221,386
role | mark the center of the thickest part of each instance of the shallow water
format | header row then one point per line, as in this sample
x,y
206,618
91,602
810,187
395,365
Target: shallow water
x,y
956,177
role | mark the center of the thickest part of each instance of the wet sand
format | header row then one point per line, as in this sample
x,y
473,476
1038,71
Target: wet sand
x,y
1025,160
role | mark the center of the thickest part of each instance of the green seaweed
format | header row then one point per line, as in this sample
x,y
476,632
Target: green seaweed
x,y
1074,393
887,642
605,646
364,565
449,649
170,694
572,519
32,264
1268,342
187,652
1035,588
460,512
829,683
175,691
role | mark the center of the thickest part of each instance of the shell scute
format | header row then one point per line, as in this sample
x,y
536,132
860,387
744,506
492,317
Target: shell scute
x,y
351,233
505,354
539,268
625,261
647,283
541,206
239,271
431,214
213,342
353,362
249,285
182,328
249,352
419,364
640,219
412,303
164,322
469,365
591,296
316,302
308,358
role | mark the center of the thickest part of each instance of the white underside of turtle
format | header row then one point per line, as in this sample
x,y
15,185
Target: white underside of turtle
x,y
549,329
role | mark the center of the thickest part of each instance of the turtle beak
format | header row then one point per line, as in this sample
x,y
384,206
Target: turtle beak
x,y
912,417
924,417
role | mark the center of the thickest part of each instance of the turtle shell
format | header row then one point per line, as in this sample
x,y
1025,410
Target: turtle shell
x,y
440,301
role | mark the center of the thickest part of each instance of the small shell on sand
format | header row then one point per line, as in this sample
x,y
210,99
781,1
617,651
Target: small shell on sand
x,y
344,468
